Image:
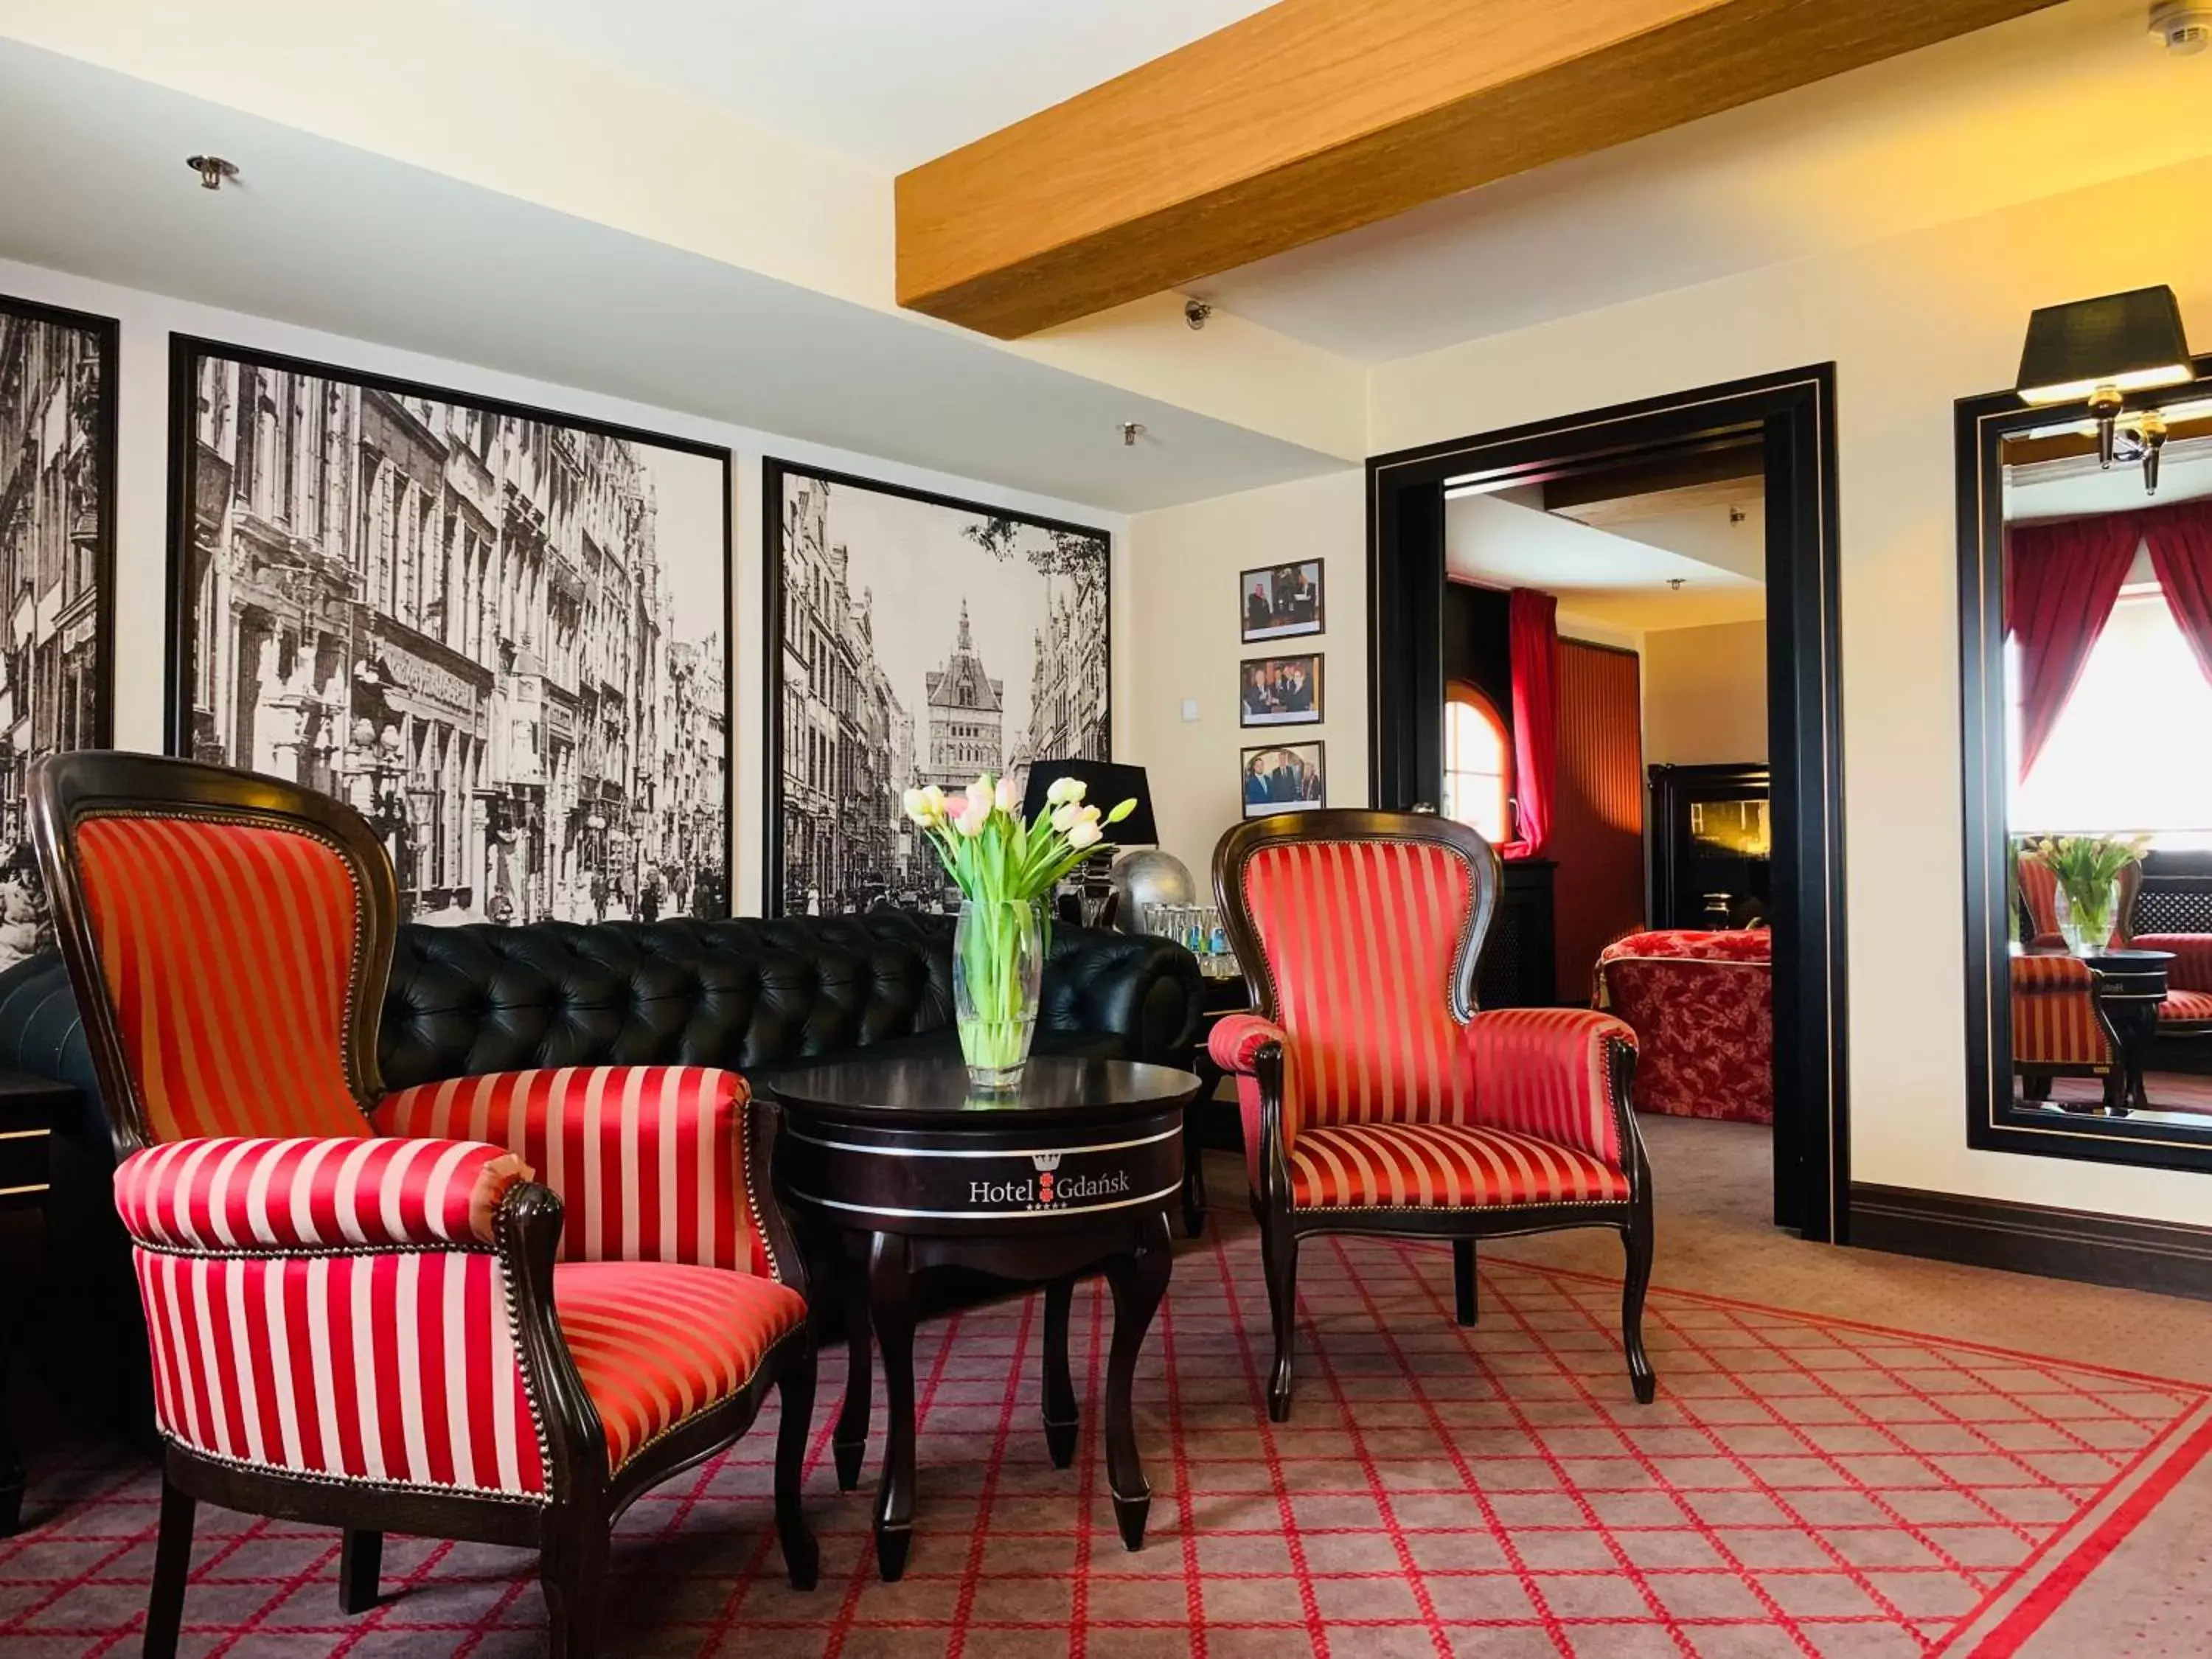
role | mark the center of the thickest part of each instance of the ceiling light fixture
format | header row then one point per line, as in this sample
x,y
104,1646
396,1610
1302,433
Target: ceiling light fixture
x,y
1130,431
2183,26
213,170
1196,312
2098,351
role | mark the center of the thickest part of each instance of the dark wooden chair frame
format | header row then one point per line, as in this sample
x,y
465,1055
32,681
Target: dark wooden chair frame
x,y
1282,1225
570,1531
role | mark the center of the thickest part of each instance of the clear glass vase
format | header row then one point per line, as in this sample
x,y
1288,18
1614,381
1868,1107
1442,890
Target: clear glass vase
x,y
998,976
2085,915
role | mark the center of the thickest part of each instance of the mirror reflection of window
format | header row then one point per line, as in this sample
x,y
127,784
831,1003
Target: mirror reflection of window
x,y
1478,764
2108,765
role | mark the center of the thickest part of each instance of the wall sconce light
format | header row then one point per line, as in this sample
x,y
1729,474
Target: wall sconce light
x,y
2099,350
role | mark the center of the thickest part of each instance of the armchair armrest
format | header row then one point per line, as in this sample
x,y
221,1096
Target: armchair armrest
x,y
651,1163
1142,990
269,1197
1235,1043
1559,1075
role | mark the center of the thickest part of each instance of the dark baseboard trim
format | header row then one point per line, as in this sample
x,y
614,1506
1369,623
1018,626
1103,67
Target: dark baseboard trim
x,y
2164,1256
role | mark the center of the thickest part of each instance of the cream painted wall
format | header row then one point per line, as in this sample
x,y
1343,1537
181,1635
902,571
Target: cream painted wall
x,y
141,473
1704,695
1183,564
1911,324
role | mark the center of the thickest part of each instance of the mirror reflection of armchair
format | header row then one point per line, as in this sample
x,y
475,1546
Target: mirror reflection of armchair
x,y
2059,1027
2187,1009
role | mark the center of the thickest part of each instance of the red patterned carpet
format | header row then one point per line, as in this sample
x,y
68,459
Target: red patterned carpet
x,y
1803,1486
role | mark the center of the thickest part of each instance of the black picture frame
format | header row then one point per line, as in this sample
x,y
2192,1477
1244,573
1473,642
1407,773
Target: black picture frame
x,y
775,473
1314,715
85,613
1994,1121
1251,809
1265,634
1792,415
708,889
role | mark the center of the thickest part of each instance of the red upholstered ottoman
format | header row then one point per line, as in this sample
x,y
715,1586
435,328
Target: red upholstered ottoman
x,y
1702,1007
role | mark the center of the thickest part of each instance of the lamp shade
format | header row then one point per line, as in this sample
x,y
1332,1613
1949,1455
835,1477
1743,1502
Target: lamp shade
x,y
1107,784
2129,342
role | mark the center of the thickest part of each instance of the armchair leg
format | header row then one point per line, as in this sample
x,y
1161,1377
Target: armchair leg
x,y
361,1563
172,1564
1637,1237
1463,1281
573,1571
794,1387
1278,1249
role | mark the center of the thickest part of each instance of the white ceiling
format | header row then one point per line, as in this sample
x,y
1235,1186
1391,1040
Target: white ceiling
x,y
327,236
2008,114
1607,578
888,83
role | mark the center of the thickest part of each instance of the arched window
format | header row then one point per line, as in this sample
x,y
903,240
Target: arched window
x,y
1478,763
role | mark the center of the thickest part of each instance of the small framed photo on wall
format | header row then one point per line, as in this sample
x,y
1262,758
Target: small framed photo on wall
x,y
1281,601
1279,690
1284,779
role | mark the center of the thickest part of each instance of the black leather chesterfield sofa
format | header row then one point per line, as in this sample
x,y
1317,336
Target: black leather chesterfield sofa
x,y
756,995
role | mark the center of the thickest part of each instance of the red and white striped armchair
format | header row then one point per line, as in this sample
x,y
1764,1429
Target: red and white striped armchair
x,y
2059,1028
364,1311
1375,1098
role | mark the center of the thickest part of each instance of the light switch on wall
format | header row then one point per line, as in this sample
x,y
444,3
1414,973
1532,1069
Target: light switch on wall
x,y
1189,709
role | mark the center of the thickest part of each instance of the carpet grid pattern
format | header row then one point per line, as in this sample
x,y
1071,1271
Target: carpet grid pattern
x,y
1802,1486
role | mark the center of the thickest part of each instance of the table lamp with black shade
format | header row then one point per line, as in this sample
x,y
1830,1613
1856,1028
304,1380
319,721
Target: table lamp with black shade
x,y
1107,784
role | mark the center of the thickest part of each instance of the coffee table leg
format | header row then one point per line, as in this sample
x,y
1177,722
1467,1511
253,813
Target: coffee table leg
x,y
848,1441
1138,1281
890,1305
1062,1417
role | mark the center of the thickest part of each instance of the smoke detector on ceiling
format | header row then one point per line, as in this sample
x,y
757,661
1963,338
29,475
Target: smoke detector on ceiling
x,y
2183,26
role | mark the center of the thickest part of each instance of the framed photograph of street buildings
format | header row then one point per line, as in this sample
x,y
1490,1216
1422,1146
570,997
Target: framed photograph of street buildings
x,y
58,560
501,632
913,640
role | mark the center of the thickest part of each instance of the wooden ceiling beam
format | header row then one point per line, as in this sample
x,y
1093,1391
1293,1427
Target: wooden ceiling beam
x,y
1316,117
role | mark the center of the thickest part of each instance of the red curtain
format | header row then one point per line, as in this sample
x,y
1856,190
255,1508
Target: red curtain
x,y
1532,639
2180,539
2061,580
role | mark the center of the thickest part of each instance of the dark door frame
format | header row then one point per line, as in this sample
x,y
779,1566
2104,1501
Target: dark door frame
x,y
1792,415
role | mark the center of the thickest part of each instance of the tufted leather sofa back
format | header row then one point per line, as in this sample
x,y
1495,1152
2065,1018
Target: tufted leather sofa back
x,y
748,992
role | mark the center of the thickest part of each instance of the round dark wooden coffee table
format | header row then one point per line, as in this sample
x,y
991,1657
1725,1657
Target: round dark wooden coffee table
x,y
894,1167
2130,984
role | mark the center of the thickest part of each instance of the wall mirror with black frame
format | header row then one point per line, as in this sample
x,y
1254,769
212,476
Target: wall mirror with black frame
x,y
2086,620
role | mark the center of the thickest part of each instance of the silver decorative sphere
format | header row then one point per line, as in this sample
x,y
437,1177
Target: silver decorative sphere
x,y
1151,876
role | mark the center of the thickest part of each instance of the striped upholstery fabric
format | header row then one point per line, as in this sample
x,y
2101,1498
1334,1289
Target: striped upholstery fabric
x,y
2186,1007
2191,968
657,1343
199,922
1360,938
1423,1165
241,1195
2054,1013
1548,1073
398,1366
650,1160
2039,892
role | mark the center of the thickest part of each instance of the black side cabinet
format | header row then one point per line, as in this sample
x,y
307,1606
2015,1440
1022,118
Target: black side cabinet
x,y
1518,968
1707,846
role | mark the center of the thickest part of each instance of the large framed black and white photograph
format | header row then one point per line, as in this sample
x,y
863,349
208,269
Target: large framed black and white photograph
x,y
913,640
501,632
57,559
